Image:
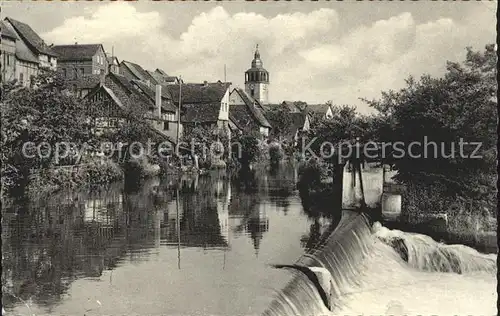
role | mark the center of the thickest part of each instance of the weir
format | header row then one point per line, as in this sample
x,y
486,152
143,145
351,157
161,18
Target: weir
x,y
354,246
340,253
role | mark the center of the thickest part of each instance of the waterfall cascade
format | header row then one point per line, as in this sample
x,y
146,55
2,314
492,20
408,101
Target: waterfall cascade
x,y
354,248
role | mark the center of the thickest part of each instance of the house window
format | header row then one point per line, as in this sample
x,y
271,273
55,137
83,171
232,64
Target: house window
x,y
75,73
82,71
21,78
166,126
64,72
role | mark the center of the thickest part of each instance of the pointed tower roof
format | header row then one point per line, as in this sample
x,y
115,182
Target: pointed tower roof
x,y
256,238
257,62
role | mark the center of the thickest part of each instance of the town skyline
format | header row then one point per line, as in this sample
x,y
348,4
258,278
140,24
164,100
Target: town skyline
x,y
335,57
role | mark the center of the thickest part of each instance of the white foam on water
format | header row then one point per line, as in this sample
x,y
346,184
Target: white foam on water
x,y
390,272
424,253
390,286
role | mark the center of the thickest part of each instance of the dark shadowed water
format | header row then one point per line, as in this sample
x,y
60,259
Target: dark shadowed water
x,y
199,245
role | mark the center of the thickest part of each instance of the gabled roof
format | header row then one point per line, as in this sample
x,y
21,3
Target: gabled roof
x,y
135,92
156,76
161,77
85,82
138,72
22,50
120,95
251,108
161,72
122,80
166,103
126,92
195,93
317,108
200,102
297,122
6,31
200,112
77,52
171,79
242,118
24,53
32,39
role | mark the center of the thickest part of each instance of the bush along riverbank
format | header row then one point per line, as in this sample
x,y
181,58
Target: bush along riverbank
x,y
450,181
50,180
452,218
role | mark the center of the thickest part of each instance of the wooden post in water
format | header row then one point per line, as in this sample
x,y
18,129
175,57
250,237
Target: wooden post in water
x,y
363,202
338,182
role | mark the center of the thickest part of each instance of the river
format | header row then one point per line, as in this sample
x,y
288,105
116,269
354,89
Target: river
x,y
199,246
204,245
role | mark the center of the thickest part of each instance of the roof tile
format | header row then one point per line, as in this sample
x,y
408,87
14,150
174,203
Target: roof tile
x,y
31,37
77,52
254,111
6,31
139,72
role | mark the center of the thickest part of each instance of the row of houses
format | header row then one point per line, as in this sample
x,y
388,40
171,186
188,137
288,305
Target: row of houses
x,y
93,74
23,52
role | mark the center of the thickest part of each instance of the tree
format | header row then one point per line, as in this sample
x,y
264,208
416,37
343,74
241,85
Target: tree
x,y
300,104
344,126
280,120
205,141
134,128
249,148
43,114
460,105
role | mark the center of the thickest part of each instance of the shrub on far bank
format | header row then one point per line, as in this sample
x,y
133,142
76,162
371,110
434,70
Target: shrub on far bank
x,y
311,174
100,172
95,172
466,217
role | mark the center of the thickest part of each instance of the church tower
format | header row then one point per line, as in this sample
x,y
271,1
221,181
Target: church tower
x,y
257,80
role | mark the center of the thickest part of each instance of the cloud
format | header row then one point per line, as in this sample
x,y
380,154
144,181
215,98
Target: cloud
x,y
117,20
308,56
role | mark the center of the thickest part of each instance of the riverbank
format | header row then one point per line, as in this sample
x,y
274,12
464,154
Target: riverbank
x,y
427,214
94,173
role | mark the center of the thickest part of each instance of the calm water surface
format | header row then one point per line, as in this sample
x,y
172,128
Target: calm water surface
x,y
200,245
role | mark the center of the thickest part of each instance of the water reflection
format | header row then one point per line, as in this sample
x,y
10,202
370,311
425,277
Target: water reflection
x,y
50,244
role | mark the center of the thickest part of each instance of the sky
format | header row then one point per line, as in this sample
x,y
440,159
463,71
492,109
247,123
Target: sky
x,y
314,51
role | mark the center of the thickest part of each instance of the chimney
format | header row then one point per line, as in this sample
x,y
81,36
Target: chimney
x,y
102,78
158,99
